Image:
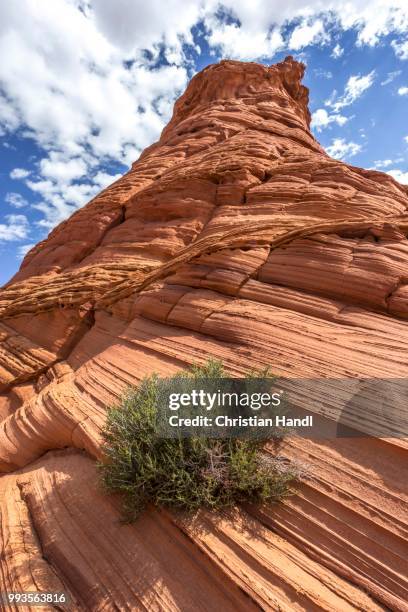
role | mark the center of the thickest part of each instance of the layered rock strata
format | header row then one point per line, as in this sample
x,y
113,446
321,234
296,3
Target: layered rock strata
x,y
235,236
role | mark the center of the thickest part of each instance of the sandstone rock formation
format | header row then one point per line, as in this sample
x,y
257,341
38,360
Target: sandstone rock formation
x,y
235,236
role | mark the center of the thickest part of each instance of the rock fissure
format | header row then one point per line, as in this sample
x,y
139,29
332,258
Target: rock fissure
x,y
35,533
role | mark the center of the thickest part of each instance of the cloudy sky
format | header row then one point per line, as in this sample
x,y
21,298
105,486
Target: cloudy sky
x,y
85,85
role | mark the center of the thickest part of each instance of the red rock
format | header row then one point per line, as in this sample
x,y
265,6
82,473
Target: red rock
x,y
236,237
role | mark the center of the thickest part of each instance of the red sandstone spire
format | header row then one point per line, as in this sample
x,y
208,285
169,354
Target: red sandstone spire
x,y
234,237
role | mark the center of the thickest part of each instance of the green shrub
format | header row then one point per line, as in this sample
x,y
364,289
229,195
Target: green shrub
x,y
183,473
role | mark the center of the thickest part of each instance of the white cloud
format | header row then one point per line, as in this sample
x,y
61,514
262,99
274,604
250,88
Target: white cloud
x,y
19,173
337,51
324,74
306,34
322,119
68,88
77,97
406,139
340,149
15,228
403,91
15,199
386,163
58,168
355,87
401,48
399,175
233,42
130,25
391,76
23,250
372,19
9,119
127,27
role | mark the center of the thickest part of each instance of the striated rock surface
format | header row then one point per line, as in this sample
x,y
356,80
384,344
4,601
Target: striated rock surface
x,y
237,237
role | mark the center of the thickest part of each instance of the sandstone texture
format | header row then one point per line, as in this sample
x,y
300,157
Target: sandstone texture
x,y
236,237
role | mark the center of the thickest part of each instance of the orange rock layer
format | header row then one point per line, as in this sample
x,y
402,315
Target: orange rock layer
x,y
236,237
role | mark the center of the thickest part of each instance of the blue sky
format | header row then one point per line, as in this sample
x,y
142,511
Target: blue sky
x,y
86,85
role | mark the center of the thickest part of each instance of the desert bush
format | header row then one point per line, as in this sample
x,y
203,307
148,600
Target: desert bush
x,y
183,473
